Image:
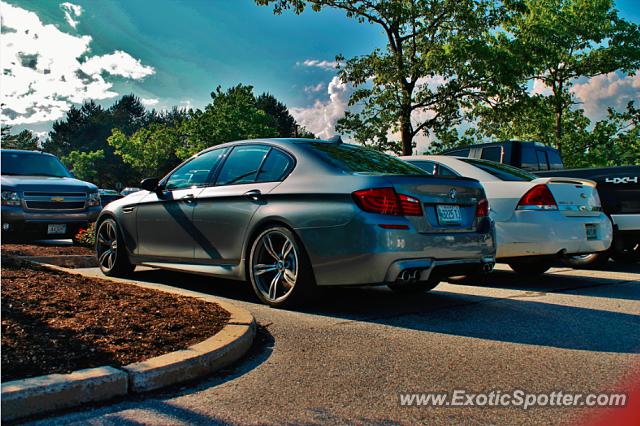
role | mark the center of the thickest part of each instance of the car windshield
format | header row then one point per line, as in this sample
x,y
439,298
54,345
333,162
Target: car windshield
x,y
501,171
362,160
32,164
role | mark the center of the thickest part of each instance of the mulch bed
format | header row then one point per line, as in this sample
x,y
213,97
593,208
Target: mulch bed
x,y
53,322
44,250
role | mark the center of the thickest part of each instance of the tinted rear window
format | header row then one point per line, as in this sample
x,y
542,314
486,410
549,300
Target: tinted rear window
x,y
427,166
555,162
356,159
501,171
492,153
543,162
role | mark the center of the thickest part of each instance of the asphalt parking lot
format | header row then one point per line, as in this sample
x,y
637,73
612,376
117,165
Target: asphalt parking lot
x,y
347,358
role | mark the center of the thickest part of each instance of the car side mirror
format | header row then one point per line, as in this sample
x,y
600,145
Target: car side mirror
x,y
150,184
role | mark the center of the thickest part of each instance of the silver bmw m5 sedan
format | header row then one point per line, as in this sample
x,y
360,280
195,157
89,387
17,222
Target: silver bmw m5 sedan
x,y
293,214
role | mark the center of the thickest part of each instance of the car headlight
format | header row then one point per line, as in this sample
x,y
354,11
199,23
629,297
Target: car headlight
x,y
94,199
10,198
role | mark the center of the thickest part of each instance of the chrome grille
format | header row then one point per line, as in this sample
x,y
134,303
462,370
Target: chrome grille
x,y
55,200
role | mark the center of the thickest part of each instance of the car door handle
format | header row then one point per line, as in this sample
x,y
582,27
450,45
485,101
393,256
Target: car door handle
x,y
189,199
254,194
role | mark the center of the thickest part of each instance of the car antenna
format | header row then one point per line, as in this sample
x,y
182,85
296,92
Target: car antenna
x,y
336,139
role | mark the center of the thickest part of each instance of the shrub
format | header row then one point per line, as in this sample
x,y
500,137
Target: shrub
x,y
86,237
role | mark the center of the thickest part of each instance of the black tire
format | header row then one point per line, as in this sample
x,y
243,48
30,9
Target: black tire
x,y
586,260
111,252
414,288
530,267
279,269
629,254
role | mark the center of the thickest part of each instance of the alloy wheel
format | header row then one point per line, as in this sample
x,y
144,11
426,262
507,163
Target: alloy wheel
x,y
107,245
275,266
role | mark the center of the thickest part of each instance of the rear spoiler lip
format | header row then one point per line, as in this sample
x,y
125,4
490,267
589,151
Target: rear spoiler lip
x,y
563,179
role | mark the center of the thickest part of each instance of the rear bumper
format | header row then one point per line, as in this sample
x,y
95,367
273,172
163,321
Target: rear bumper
x,y
626,222
361,252
533,233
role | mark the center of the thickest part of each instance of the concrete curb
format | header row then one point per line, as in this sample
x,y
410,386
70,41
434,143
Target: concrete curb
x,y
68,261
38,395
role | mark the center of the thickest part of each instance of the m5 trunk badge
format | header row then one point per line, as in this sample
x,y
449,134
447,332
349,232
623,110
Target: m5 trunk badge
x,y
452,193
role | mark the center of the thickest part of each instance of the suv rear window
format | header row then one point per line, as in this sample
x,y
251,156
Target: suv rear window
x,y
492,153
356,159
501,171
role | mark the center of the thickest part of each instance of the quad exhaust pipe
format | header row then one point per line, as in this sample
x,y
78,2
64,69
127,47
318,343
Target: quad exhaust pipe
x,y
488,267
411,275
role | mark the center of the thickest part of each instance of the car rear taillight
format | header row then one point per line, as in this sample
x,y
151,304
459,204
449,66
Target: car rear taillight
x,y
410,206
482,208
387,201
538,198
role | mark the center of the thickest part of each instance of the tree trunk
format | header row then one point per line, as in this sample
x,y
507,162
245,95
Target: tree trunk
x,y
558,132
406,133
559,110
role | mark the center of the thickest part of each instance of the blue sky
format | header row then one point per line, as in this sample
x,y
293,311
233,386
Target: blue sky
x,y
172,52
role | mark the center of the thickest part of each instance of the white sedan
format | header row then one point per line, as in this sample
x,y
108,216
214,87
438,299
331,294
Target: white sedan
x,y
538,220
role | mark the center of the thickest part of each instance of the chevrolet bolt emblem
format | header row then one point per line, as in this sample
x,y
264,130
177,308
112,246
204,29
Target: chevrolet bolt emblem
x,y
452,193
57,199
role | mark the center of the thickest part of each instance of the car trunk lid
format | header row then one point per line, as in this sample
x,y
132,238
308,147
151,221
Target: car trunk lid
x,y
575,197
448,204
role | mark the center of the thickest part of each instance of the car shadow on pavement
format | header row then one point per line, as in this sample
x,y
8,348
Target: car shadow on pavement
x,y
518,319
557,283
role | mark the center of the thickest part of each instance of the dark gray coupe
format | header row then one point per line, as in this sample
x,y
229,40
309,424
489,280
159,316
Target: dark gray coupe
x,y
293,214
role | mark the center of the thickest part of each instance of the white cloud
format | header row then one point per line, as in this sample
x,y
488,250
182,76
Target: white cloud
x,y
186,104
608,90
326,65
539,88
71,10
321,118
42,72
117,63
149,101
314,88
598,93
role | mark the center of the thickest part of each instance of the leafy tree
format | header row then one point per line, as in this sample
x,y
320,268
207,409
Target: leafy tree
x,y
232,115
426,39
86,129
23,140
558,41
448,138
280,118
279,115
616,140
150,151
83,164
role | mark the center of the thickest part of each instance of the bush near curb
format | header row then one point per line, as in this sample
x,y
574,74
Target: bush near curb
x,y
86,237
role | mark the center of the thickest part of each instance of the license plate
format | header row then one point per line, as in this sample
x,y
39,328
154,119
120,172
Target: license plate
x,y
592,231
57,229
449,214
